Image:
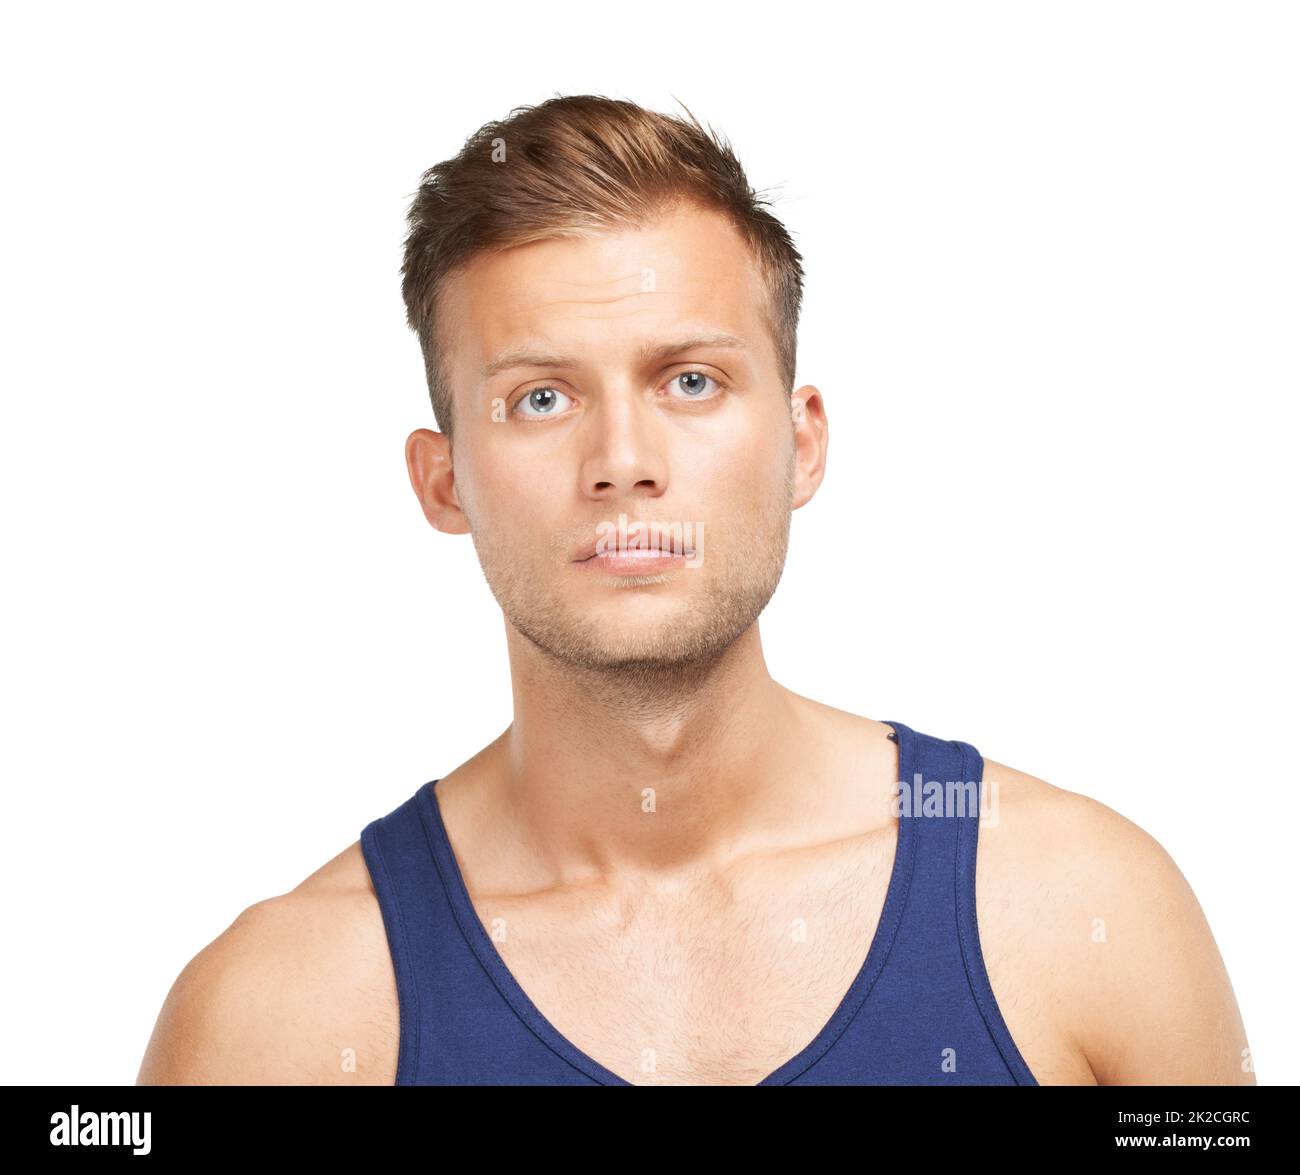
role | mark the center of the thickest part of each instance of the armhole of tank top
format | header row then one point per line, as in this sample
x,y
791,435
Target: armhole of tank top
x,y
408,994
968,927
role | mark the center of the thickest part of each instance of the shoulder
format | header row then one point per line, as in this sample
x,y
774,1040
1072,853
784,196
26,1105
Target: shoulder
x,y
1109,941
299,989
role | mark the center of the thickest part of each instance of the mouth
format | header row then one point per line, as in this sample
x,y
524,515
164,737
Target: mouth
x,y
591,552
635,561
651,563
635,553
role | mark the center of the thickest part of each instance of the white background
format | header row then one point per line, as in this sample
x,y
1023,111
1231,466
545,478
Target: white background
x,y
1052,257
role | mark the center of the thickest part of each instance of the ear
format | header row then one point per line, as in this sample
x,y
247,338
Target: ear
x,y
811,437
428,461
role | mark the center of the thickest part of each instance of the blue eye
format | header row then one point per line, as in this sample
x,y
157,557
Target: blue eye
x,y
696,389
541,401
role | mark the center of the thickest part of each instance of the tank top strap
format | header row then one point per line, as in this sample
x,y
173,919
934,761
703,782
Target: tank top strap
x,y
929,803
455,1027
417,922
945,798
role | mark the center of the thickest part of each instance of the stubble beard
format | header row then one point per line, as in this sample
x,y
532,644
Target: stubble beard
x,y
738,577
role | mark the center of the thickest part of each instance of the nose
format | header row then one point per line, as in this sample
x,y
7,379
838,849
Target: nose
x,y
623,454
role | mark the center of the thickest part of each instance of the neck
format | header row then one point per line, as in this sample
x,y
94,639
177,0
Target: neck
x,y
646,771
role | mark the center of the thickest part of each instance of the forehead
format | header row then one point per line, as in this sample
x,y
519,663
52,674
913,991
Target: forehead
x,y
608,296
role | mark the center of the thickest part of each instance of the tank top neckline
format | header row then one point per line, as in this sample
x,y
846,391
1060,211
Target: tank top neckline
x,y
479,941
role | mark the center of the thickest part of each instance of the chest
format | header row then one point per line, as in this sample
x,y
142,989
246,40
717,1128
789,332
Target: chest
x,y
709,982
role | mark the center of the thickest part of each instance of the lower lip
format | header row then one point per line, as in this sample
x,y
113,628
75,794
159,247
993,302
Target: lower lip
x,y
629,563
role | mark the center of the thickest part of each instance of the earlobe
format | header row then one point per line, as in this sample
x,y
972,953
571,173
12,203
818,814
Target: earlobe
x,y
428,463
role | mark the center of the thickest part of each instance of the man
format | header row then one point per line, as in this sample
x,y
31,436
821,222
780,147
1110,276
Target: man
x,y
669,869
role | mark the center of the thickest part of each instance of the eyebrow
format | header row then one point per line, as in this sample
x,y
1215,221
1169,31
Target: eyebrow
x,y
649,353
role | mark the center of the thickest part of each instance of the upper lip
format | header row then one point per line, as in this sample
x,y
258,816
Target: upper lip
x,y
588,549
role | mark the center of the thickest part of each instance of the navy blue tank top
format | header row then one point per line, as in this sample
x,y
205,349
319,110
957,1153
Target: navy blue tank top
x,y
919,1012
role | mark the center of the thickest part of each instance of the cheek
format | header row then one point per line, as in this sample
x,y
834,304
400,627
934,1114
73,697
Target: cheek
x,y
503,489
750,463
524,508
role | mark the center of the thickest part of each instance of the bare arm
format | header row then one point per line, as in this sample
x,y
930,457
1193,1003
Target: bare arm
x,y
1155,1004
288,994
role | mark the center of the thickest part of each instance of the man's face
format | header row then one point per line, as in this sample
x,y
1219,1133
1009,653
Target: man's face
x,y
622,420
